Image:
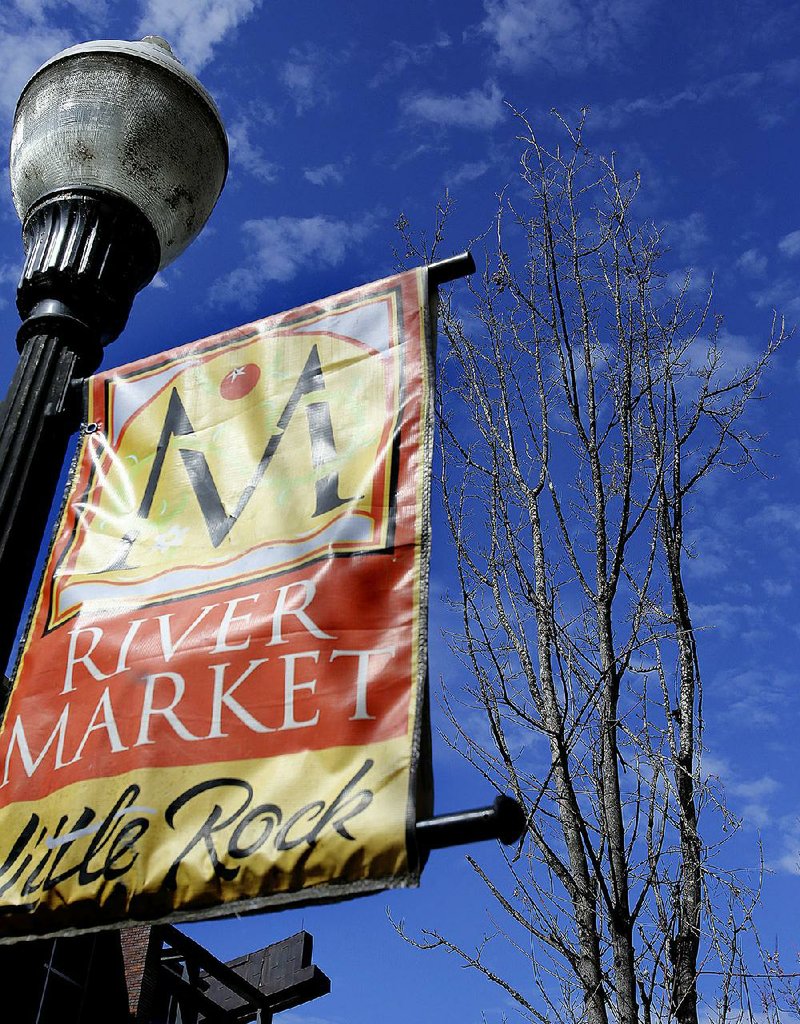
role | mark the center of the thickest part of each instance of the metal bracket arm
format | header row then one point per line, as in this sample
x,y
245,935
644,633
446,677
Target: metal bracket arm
x,y
450,269
504,820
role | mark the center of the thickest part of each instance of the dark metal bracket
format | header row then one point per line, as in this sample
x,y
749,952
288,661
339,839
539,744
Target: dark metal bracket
x,y
450,269
504,820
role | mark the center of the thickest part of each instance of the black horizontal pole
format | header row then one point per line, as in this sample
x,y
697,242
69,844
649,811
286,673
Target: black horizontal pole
x,y
450,269
504,820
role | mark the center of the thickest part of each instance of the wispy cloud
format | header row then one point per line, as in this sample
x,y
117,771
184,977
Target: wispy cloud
x,y
776,518
752,262
37,11
760,697
9,272
736,86
781,294
723,617
478,108
789,245
777,588
9,275
327,174
706,92
749,795
467,172
303,77
693,280
194,28
709,552
687,235
736,351
789,858
569,34
246,153
280,247
402,56
754,789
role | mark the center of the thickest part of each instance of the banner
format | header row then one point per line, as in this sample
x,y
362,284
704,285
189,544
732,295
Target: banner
x,y
219,702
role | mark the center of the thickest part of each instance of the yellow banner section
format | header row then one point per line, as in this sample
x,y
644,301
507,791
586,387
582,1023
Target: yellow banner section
x,y
189,839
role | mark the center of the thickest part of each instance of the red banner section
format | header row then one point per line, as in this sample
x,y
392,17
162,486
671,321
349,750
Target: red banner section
x,y
218,702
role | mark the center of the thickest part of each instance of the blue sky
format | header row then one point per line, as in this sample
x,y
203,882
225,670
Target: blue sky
x,y
343,114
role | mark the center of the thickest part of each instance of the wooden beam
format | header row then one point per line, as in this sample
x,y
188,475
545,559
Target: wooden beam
x,y
229,978
190,994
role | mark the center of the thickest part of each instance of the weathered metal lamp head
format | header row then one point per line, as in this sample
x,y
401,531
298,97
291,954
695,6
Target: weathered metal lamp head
x,y
118,156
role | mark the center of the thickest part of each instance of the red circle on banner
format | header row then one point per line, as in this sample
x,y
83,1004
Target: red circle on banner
x,y
239,382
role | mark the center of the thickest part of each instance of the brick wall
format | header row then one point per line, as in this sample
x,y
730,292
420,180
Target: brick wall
x,y
140,953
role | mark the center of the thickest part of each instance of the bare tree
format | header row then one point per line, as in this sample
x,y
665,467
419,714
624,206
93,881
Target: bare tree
x,y
581,405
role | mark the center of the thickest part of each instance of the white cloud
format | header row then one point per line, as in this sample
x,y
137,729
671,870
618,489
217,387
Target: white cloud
x,y
280,247
754,789
709,556
38,10
194,27
726,86
780,294
479,108
761,698
687,234
737,86
467,172
401,56
752,262
248,155
789,859
736,350
715,767
568,34
302,75
724,617
9,275
789,245
324,175
694,280
9,272
753,792
777,588
776,518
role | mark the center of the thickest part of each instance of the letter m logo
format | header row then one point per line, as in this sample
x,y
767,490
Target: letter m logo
x,y
236,461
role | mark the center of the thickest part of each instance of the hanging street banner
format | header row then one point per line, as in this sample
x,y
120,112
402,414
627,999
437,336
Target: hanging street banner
x,y
220,701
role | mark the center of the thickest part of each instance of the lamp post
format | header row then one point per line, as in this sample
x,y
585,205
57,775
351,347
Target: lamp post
x,y
118,156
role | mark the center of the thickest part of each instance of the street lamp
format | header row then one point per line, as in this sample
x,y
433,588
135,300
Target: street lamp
x,y
118,156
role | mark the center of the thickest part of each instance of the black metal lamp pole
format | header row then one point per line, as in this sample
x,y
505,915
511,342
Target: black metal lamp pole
x,y
117,158
77,281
